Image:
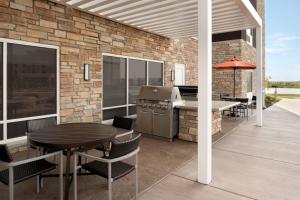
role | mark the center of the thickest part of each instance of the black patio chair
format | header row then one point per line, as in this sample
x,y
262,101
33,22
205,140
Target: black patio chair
x,y
243,107
19,171
34,125
123,123
111,166
253,103
124,127
231,111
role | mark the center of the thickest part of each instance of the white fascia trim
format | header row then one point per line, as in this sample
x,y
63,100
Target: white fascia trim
x,y
249,10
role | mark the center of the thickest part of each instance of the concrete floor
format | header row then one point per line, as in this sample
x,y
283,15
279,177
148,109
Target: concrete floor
x,y
248,163
157,159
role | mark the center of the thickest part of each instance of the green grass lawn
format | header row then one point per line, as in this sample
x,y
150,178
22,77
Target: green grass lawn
x,y
285,96
271,98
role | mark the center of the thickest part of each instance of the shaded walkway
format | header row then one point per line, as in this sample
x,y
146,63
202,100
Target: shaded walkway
x,y
248,163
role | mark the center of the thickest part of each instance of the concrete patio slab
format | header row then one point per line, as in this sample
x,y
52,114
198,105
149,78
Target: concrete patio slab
x,y
291,105
258,163
259,147
177,188
249,176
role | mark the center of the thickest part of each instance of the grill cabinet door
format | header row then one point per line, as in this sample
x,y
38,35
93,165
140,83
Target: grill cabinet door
x,y
144,120
161,124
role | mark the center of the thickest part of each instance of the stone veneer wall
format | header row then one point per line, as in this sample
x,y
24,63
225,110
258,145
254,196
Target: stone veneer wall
x,y
223,79
83,38
188,124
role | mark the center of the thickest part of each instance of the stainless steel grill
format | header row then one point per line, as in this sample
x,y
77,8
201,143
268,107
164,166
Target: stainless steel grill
x,y
156,113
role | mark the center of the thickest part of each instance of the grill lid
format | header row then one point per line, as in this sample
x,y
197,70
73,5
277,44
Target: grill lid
x,y
159,93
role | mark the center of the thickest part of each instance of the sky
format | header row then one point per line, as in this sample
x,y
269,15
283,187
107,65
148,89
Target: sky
x,y
283,40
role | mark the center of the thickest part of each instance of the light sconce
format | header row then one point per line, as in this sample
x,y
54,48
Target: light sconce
x,y
172,75
86,72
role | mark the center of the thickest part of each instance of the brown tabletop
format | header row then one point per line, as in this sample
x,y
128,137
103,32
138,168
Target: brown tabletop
x,y
72,136
75,135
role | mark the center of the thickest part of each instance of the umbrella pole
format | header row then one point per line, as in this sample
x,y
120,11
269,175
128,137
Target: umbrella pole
x,y
234,82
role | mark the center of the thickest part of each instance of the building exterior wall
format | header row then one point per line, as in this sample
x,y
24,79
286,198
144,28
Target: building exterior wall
x,y
226,50
82,38
223,79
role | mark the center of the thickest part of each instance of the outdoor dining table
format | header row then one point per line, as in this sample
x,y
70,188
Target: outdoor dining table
x,y
70,137
236,99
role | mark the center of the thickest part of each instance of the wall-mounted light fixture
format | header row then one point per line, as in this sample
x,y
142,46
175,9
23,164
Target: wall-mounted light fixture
x,y
86,72
172,75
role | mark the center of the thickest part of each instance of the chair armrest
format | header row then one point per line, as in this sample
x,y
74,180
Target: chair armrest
x,y
13,164
124,134
5,164
90,156
108,160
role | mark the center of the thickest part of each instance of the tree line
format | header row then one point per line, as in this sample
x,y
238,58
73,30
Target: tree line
x,y
283,84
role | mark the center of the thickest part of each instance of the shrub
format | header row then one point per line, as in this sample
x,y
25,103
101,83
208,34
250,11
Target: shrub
x,y
270,100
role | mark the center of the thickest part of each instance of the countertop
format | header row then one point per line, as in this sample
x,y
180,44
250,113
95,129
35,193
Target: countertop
x,y
216,105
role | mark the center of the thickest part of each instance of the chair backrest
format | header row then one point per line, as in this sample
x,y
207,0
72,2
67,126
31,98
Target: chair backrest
x,y
222,95
242,100
34,125
5,155
122,148
122,122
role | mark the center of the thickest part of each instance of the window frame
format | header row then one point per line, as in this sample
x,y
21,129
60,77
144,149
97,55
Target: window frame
x,y
6,121
127,105
249,80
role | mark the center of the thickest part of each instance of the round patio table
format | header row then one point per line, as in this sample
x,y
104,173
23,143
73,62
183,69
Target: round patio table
x,y
70,137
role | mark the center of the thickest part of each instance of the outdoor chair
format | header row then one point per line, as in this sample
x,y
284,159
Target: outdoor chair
x,y
223,96
124,125
243,107
110,166
34,125
253,102
19,171
124,128
231,112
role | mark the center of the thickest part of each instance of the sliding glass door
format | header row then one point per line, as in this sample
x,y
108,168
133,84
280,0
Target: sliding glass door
x,y
122,80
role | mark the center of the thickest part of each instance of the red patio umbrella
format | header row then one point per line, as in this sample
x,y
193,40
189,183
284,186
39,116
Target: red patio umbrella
x,y
234,64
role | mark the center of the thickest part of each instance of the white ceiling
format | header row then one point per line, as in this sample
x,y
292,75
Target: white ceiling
x,y
171,18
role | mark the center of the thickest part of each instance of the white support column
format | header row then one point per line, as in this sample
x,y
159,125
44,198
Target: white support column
x,y
204,90
259,77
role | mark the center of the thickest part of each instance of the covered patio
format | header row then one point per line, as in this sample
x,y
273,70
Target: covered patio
x,y
248,163
199,19
79,92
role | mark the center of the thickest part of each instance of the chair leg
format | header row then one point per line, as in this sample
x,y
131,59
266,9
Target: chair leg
x,y
38,186
42,182
75,176
247,112
109,182
11,183
61,176
136,178
28,149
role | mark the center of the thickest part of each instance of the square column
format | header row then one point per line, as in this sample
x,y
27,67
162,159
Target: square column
x,y
204,91
259,78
